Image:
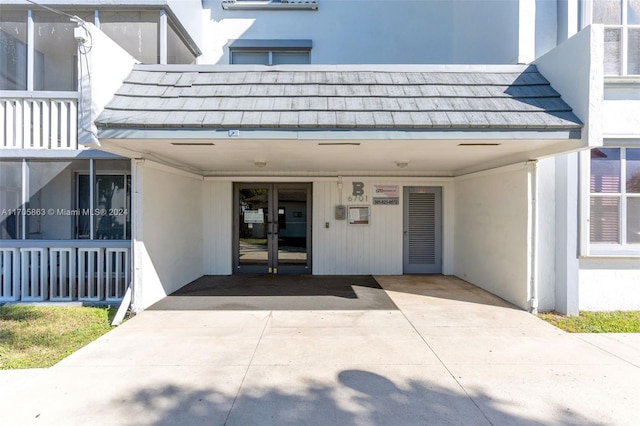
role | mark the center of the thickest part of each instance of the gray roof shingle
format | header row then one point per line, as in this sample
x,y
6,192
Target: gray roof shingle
x,y
201,96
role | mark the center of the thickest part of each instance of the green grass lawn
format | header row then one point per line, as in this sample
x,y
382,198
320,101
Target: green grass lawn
x,y
596,322
40,336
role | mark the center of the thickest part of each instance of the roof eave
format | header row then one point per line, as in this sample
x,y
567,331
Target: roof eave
x,y
125,132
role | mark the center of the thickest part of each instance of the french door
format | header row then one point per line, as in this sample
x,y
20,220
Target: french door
x,y
272,229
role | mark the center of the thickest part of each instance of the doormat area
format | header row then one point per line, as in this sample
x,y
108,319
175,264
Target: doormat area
x,y
279,292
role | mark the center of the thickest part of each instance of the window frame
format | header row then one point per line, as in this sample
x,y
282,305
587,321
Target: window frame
x,y
624,27
623,247
92,172
270,55
269,46
94,204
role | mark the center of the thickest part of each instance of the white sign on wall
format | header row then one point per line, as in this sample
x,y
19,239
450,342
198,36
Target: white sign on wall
x,y
386,195
359,215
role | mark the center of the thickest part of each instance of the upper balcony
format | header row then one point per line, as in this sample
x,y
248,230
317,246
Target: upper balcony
x,y
39,65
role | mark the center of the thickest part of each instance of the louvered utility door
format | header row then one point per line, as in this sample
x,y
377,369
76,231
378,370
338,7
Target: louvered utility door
x,y
422,230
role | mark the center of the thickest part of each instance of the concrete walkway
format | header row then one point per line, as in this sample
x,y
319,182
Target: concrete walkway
x,y
450,354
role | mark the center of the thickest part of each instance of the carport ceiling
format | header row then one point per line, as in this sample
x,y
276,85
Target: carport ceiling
x,y
423,157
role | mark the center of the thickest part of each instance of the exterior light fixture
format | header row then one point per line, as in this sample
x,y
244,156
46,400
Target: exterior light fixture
x,y
259,163
402,164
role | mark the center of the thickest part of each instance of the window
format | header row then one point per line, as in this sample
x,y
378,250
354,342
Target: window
x,y
621,19
10,199
136,32
269,52
615,197
59,205
13,50
56,58
269,58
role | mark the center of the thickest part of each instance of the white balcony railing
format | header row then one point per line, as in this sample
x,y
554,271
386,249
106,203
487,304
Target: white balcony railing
x,y
38,120
90,271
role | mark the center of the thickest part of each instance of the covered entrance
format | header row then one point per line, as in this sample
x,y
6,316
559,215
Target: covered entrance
x,y
262,138
272,229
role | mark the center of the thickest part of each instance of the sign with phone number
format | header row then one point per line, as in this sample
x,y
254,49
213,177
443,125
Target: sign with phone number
x,y
388,195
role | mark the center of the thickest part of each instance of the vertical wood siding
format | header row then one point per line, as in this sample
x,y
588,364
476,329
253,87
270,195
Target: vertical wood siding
x,y
218,227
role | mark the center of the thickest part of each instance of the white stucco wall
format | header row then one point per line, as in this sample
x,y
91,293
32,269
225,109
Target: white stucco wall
x,y
491,232
575,69
397,31
102,68
622,118
608,284
167,231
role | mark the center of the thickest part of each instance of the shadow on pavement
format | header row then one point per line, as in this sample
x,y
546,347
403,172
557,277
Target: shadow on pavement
x,y
278,292
359,398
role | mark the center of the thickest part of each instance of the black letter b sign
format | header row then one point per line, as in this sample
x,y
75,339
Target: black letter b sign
x,y
358,189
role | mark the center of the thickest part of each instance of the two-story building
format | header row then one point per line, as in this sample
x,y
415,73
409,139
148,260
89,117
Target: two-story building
x,y
146,144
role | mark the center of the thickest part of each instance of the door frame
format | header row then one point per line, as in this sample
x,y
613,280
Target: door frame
x,y
437,267
272,266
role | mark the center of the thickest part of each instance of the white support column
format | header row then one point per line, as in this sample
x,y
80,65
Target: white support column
x,y
164,30
137,242
573,19
25,197
30,51
92,185
532,273
526,31
566,217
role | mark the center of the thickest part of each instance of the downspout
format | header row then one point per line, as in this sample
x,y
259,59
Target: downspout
x,y
533,235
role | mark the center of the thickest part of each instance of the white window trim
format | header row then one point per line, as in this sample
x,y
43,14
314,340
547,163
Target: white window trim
x,y
269,46
588,249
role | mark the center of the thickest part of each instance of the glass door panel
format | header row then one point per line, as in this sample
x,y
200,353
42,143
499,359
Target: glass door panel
x,y
293,229
272,228
253,229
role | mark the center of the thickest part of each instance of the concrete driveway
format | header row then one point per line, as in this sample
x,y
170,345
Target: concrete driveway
x,y
446,352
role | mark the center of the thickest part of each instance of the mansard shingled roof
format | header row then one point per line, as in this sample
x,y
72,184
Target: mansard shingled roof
x,y
338,97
